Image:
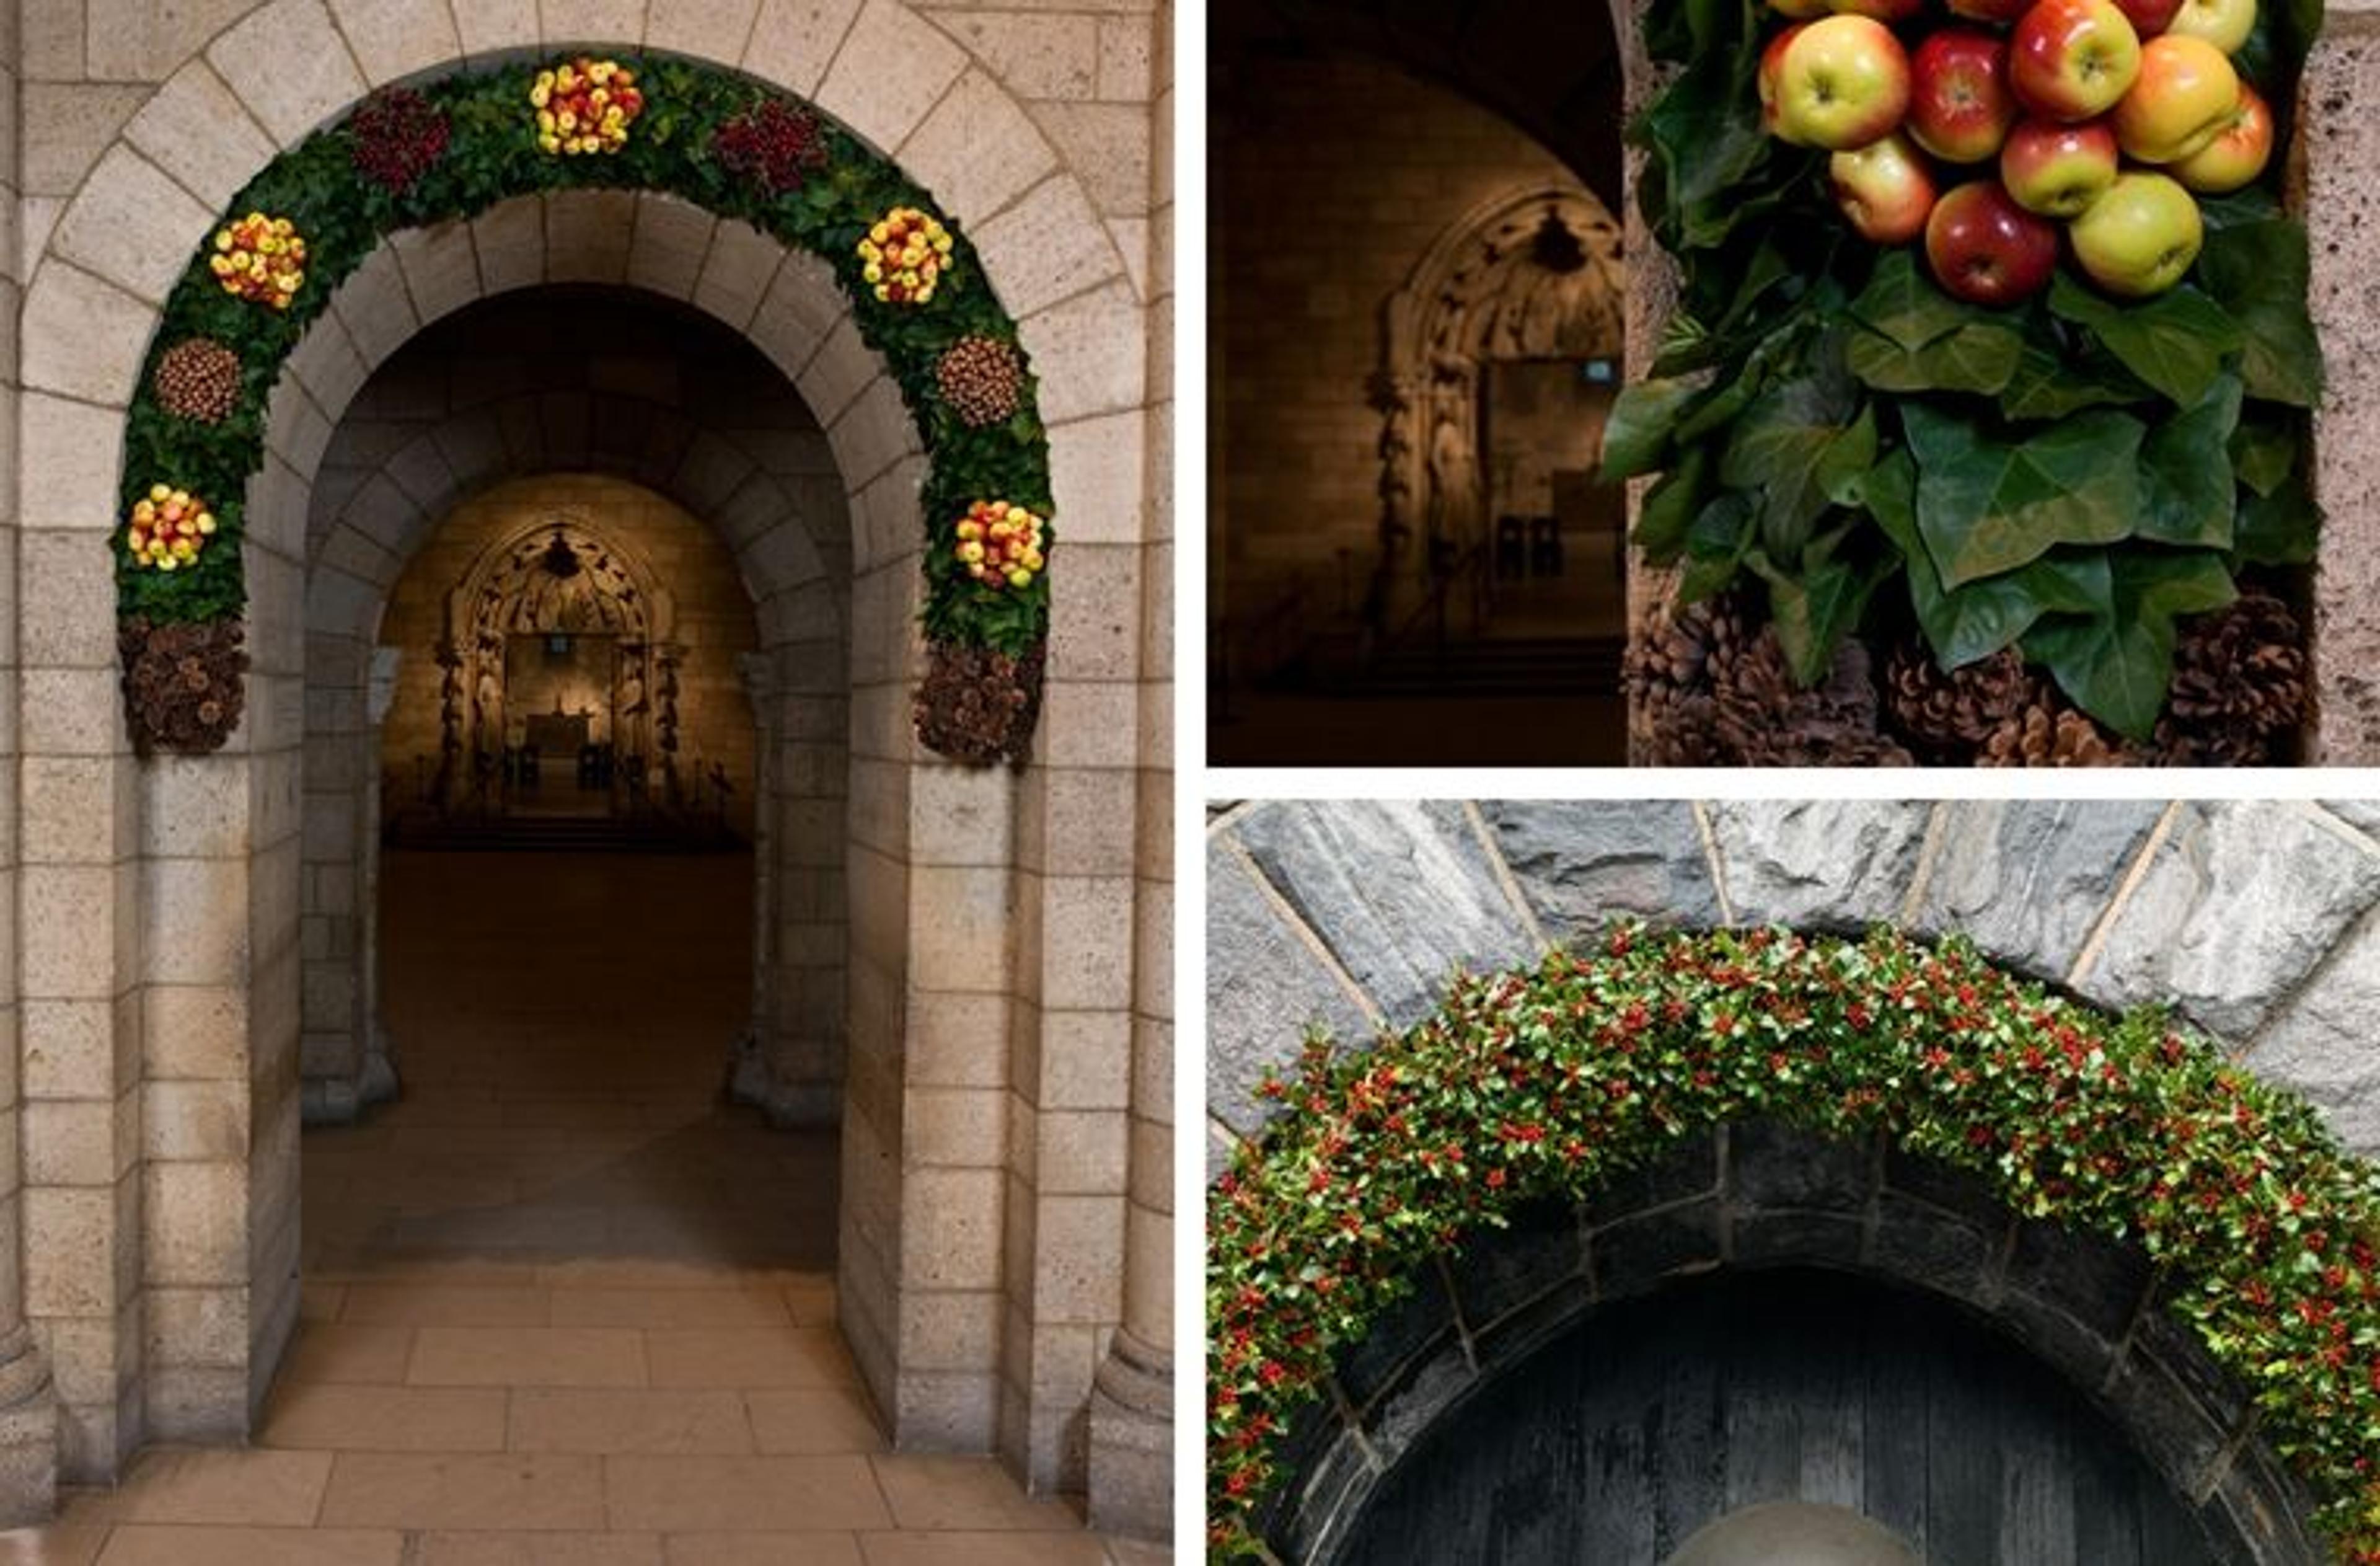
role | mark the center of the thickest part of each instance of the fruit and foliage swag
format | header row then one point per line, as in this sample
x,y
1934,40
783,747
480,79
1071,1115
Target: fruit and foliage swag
x,y
1992,340
449,149
1547,1084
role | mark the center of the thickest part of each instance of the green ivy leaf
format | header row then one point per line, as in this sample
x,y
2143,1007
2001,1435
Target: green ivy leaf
x,y
1973,622
2051,385
1715,546
1637,433
2279,529
2175,342
1985,506
1814,611
2116,665
2259,272
1785,445
2186,479
1980,358
2264,450
1672,506
1903,305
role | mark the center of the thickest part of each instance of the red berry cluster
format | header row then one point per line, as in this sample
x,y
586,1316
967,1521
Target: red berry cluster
x,y
396,137
777,146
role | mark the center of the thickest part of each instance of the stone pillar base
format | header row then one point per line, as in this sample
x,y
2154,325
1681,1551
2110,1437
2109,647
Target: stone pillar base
x,y
335,1100
1132,1441
790,1106
29,1434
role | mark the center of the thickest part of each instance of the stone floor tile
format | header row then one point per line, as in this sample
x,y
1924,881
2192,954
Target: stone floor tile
x,y
609,1420
515,1491
750,1358
61,1544
1074,1548
320,1302
445,1305
964,1493
538,1550
220,1485
812,1302
528,1357
751,1494
764,1549
325,1417
176,1544
670,1308
336,1353
803,1423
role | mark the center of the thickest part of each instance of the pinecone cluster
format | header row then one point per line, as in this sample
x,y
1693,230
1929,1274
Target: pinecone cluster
x,y
198,379
2239,686
183,685
1994,712
1708,690
777,146
980,707
396,137
982,381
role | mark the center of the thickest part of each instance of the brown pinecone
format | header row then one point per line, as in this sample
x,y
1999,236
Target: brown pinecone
x,y
982,380
1947,716
1666,675
198,379
980,707
2239,684
1705,689
182,683
2047,732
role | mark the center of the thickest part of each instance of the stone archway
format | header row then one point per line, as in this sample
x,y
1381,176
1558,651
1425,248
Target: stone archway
x,y
2247,917
199,1228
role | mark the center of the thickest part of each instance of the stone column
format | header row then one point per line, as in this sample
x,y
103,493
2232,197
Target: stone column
x,y
749,1080
1132,1394
377,1081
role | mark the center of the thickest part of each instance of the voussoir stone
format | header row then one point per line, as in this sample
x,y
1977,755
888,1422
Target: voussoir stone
x,y
1402,892
2303,1047
2238,906
1265,987
1832,864
2028,881
1584,863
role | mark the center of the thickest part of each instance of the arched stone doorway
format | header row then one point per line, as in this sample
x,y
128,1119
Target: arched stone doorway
x,y
2250,919
927,1223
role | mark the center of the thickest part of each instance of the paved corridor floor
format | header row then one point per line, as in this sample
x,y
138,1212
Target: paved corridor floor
x,y
563,1307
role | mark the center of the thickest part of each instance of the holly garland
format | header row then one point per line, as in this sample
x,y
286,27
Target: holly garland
x,y
1547,1084
450,149
2068,473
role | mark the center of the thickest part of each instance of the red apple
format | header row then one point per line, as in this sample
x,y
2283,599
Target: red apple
x,y
2140,238
1842,82
1985,249
1960,106
2187,92
1884,189
2237,155
2149,18
2000,13
2224,23
2073,59
1882,10
2059,170
1772,60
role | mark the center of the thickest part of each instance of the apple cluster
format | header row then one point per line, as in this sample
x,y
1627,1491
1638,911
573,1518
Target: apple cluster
x,y
169,527
260,258
2111,116
1000,544
904,256
585,107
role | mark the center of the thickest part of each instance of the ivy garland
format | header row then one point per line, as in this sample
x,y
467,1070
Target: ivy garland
x,y
1547,1084
2069,477
408,157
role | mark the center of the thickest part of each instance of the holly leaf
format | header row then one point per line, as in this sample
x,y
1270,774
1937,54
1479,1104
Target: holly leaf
x,y
2186,478
2259,272
1986,504
1978,620
1980,358
2175,342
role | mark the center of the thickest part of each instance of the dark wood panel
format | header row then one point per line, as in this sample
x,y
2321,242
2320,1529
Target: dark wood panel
x,y
1613,1445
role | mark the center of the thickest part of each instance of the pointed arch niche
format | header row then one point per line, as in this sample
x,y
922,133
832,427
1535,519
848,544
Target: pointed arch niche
x,y
1534,275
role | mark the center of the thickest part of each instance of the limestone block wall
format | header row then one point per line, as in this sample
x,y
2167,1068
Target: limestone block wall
x,y
1334,175
2260,922
1036,129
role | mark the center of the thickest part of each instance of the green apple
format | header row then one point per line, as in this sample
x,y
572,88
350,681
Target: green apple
x,y
2185,94
2059,170
1842,82
2224,23
2141,236
2237,155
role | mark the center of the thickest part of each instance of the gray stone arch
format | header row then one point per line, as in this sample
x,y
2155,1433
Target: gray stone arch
x,y
2259,922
